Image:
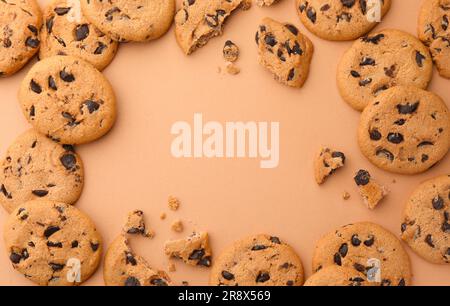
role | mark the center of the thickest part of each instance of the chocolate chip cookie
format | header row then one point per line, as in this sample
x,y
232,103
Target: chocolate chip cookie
x,y
434,31
20,21
130,20
200,20
380,61
426,225
371,191
369,249
194,250
124,268
52,243
67,32
135,224
340,19
35,167
259,260
326,163
68,99
405,130
284,51
337,276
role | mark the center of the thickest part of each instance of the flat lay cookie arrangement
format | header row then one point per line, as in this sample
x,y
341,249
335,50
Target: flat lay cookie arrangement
x,y
91,190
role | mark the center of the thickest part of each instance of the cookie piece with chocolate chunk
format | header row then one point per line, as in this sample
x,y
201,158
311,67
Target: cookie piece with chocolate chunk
x,y
371,191
434,31
379,61
284,51
367,248
52,243
259,260
67,99
68,32
326,163
198,21
122,267
341,19
130,20
405,130
35,167
426,222
135,224
193,250
230,51
20,22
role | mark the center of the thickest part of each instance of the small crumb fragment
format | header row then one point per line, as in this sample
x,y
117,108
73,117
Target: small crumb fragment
x,y
135,224
230,51
346,196
193,250
394,181
174,203
185,283
326,163
262,3
232,69
219,70
177,226
371,191
163,216
171,267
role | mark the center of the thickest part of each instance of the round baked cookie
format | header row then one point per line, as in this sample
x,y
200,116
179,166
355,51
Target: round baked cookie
x,y
130,20
426,225
339,19
124,268
337,276
405,130
368,248
37,168
434,31
380,61
52,243
68,99
259,260
20,21
67,32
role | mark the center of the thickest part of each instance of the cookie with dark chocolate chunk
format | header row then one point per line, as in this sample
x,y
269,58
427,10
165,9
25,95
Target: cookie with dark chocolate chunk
x,y
326,163
194,250
371,191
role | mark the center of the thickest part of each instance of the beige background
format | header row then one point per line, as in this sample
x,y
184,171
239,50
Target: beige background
x,y
157,85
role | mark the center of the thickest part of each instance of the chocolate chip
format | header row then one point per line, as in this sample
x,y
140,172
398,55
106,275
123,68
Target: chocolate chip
x,y
395,138
419,59
69,161
132,282
227,275
51,230
259,247
32,42
400,122
100,48
355,74
56,267
275,240
257,38
7,43
92,106
402,283
35,87
407,108
5,192
438,203
367,61
197,254
66,77
33,29
359,267
74,244
51,244
158,282
270,40
293,29
61,11
355,241
49,24
365,82
369,242
191,2
343,250
291,74
15,258
290,283
32,111
429,240
94,246
390,71
82,32
129,259
444,23
303,6
373,39
337,259
375,134
205,262
385,154
311,14
338,155
385,283
424,158
40,193
348,3
52,83
425,143
362,178
404,227
262,277
446,227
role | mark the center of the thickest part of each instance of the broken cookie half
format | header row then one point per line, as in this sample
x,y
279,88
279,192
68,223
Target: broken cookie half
x,y
326,163
124,268
200,20
193,250
371,191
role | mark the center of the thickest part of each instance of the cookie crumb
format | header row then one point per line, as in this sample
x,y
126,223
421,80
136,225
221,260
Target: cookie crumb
x,y
135,224
185,283
177,226
346,196
193,250
171,267
326,163
174,203
394,181
163,216
232,69
230,51
371,191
